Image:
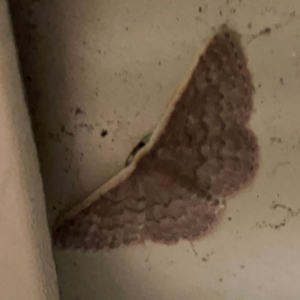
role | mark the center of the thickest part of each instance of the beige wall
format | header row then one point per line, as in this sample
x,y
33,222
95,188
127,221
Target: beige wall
x,y
26,264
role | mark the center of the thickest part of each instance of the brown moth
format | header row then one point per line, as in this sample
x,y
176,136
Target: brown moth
x,y
202,152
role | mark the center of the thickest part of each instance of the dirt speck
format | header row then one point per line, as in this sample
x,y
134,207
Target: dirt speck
x,y
54,136
221,279
78,111
194,250
266,30
242,267
275,139
289,214
104,132
249,25
71,134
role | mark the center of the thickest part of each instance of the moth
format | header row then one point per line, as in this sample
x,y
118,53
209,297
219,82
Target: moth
x,y
174,185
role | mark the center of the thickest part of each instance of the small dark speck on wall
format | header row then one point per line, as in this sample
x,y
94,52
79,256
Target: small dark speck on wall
x,y
200,9
266,30
71,134
78,111
104,132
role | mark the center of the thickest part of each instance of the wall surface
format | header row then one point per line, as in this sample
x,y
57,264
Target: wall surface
x,y
99,75
26,263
